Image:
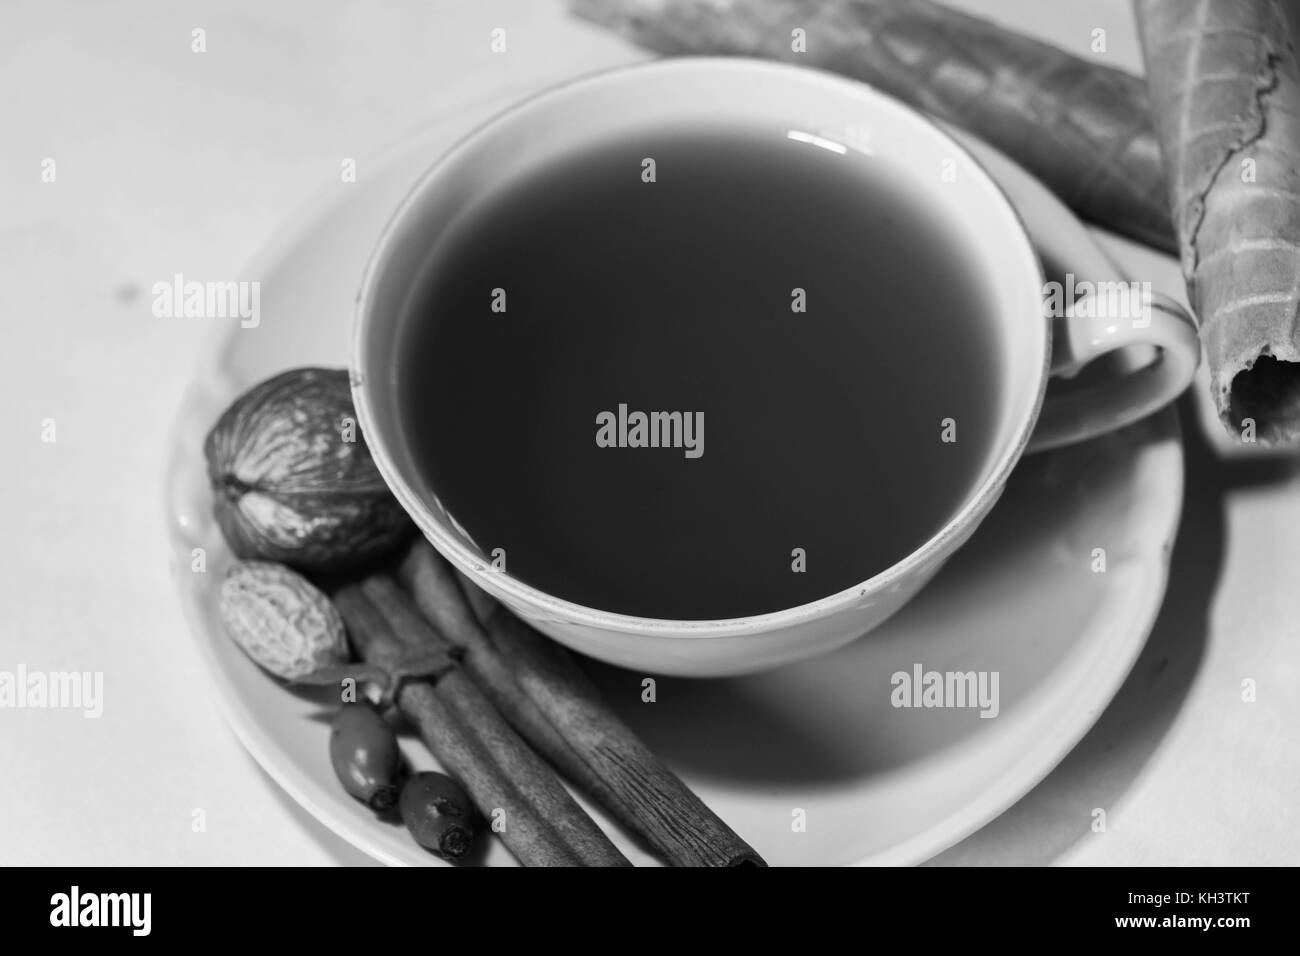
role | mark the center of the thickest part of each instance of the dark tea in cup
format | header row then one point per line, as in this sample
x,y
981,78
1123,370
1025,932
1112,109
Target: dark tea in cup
x,y
700,373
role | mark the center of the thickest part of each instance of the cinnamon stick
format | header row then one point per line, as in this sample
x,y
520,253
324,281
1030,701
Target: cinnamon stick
x,y
543,825
1225,90
595,749
1082,128
455,621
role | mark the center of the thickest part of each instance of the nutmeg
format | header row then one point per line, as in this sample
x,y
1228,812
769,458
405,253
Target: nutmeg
x,y
281,620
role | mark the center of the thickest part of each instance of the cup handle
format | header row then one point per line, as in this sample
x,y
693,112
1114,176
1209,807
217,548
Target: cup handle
x,y
1087,332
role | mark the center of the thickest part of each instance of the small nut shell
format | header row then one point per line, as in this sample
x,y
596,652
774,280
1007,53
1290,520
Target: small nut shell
x,y
280,619
293,480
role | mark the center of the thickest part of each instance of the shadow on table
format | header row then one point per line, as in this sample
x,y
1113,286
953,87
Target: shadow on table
x,y
1098,771
339,850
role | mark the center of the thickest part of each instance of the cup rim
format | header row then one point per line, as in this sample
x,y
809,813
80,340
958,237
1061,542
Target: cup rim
x,y
974,507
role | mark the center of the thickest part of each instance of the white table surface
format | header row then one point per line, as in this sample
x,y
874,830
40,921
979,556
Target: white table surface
x,y
170,161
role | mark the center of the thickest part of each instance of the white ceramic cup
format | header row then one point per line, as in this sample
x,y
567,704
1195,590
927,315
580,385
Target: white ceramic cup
x,y
872,127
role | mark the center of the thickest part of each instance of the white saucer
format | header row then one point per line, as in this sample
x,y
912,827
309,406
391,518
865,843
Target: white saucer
x,y
878,785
